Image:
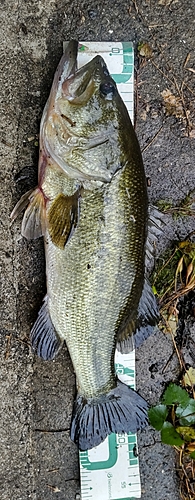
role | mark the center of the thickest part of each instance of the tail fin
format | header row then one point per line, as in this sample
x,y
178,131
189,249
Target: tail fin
x,y
121,410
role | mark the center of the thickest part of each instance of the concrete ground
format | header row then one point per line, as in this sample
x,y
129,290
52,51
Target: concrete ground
x,y
38,461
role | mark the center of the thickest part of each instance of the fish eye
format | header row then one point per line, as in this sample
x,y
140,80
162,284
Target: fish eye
x,y
107,90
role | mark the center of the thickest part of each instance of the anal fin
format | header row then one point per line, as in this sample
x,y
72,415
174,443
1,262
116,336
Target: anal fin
x,y
63,218
44,339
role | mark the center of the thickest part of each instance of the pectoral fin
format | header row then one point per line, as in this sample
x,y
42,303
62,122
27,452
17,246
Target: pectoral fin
x,y
33,223
134,332
21,205
63,218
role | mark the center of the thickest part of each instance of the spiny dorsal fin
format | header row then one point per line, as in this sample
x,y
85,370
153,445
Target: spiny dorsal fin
x,y
62,218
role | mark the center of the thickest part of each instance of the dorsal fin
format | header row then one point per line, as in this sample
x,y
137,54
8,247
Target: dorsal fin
x,y
138,328
134,333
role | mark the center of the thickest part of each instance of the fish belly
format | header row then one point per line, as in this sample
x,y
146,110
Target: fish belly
x,y
89,282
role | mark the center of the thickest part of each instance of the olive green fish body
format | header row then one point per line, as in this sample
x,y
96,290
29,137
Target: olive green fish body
x,y
95,277
91,206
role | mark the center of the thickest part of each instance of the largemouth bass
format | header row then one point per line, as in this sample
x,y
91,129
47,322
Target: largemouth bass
x,y
91,206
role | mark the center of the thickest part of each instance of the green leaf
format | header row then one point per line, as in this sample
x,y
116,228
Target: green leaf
x,y
192,455
170,436
186,415
187,433
157,415
174,394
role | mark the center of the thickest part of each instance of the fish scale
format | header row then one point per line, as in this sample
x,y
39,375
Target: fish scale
x,y
88,319
91,205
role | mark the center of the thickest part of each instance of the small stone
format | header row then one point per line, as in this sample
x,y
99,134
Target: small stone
x,y
92,13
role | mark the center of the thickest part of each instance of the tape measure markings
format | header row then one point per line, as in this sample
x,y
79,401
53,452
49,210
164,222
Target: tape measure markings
x,y
112,467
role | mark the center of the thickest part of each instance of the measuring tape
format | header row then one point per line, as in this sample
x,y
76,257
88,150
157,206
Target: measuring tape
x,y
119,57
111,470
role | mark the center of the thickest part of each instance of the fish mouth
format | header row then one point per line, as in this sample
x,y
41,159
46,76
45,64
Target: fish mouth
x,y
66,67
59,135
79,86
68,63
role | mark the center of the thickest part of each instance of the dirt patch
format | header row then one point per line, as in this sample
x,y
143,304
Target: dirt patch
x,y
38,460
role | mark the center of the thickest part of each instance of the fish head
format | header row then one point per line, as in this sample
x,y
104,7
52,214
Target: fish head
x,y
90,97
88,84
82,121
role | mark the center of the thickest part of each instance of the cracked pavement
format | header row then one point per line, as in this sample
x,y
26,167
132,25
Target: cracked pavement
x,y
38,461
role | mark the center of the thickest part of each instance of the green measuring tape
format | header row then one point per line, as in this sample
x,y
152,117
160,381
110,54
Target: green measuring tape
x,y
111,470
